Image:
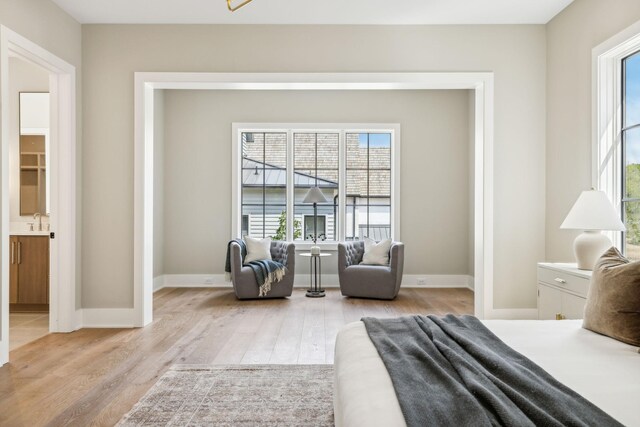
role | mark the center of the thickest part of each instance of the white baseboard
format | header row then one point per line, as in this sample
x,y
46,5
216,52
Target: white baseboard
x,y
190,281
437,281
158,283
472,283
108,318
78,320
512,314
302,281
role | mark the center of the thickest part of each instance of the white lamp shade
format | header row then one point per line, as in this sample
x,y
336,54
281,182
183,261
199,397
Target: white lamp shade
x,y
314,195
593,211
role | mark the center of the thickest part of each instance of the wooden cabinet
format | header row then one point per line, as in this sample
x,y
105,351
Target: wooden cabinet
x,y
29,273
562,291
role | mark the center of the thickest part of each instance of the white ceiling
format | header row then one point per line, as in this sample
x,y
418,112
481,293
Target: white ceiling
x,y
388,12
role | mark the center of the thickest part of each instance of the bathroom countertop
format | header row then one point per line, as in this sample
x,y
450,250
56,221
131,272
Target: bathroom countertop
x,y
19,228
29,233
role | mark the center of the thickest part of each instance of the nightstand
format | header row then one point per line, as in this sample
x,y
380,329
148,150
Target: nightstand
x,y
562,291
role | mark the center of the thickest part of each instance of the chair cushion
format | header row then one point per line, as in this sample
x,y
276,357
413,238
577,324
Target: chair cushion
x,y
365,267
257,249
613,300
376,253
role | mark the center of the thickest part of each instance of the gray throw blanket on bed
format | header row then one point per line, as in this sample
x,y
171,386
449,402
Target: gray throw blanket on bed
x,y
453,371
267,271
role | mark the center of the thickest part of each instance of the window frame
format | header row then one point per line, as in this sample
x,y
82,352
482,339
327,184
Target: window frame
x,y
368,197
342,129
624,130
607,124
292,177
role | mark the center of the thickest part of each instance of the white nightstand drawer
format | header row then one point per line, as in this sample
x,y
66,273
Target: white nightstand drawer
x,y
563,280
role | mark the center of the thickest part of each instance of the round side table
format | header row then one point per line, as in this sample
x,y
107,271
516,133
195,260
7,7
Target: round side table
x,y
315,274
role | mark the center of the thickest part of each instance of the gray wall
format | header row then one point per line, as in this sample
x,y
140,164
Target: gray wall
x,y
434,211
571,36
112,53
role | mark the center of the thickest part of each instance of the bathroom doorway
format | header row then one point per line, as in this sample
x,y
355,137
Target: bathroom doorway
x,y
38,177
29,206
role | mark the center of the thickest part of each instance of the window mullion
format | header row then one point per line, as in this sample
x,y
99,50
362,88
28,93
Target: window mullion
x,y
290,187
342,186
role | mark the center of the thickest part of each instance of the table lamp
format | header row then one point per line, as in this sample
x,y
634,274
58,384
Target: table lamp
x,y
315,196
592,213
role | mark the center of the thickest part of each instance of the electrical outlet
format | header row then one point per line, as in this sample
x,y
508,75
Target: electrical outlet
x,y
422,281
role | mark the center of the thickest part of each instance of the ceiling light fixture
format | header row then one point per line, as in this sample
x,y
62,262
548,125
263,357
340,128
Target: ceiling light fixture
x,y
233,9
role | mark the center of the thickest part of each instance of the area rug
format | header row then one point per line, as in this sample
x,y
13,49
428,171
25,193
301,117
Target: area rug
x,y
238,395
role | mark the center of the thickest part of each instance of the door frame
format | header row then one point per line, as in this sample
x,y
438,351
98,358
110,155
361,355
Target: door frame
x,y
63,315
481,84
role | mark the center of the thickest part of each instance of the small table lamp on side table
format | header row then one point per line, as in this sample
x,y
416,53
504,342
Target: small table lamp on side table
x,y
315,273
592,213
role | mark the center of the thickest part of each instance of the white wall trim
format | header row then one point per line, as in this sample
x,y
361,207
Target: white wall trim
x,y
302,281
108,317
145,82
437,281
158,283
194,280
62,89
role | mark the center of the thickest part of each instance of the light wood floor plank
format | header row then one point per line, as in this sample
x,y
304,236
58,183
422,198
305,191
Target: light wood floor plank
x,y
94,376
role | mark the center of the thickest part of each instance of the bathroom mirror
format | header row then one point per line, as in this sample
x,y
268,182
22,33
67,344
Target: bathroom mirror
x,y
34,153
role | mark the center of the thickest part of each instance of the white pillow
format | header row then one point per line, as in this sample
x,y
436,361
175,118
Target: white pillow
x,y
376,253
257,250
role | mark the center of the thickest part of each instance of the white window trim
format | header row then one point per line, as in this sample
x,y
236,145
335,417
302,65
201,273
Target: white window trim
x,y
340,128
607,115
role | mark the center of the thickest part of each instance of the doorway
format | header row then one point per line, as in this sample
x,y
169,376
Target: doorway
x,y
58,229
29,113
480,84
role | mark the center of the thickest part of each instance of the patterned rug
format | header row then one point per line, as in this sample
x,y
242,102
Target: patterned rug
x,y
238,395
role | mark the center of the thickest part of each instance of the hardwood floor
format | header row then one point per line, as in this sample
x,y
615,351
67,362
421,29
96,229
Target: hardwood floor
x,y
95,376
27,327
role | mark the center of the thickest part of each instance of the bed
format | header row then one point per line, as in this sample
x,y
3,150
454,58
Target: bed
x,y
604,371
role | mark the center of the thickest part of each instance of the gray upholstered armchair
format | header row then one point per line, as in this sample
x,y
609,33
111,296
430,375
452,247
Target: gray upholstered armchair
x,y
369,281
244,280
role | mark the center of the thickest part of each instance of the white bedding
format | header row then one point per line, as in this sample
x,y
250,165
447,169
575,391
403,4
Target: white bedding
x,y
603,370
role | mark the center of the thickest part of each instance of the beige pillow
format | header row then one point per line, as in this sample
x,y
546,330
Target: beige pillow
x,y
257,250
376,253
613,300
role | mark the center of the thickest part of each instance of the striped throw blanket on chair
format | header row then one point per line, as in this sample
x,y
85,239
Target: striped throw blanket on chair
x,y
267,271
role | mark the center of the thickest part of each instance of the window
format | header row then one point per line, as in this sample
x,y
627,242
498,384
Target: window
x,y
368,186
352,165
245,225
630,138
616,132
316,159
264,184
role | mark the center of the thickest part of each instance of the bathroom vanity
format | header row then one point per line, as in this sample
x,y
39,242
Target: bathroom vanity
x,y
29,272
